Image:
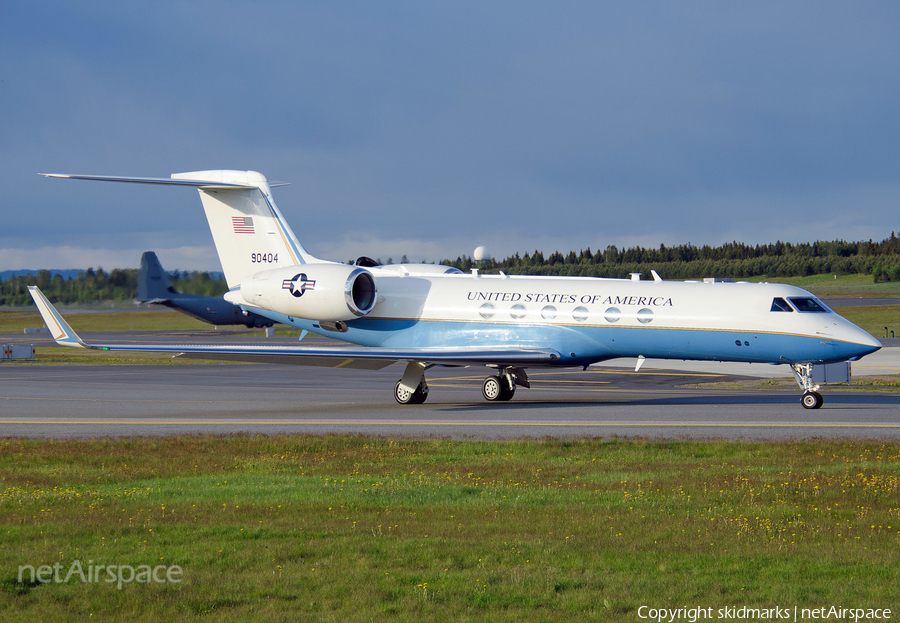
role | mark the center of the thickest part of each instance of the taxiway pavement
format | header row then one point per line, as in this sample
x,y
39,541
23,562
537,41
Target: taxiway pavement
x,y
86,400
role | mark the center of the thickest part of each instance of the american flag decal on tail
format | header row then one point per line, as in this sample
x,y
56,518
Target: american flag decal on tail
x,y
242,224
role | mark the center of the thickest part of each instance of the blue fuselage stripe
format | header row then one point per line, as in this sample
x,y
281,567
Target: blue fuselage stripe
x,y
581,345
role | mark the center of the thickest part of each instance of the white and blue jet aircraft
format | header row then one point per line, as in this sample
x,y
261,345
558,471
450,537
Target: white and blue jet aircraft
x,y
430,315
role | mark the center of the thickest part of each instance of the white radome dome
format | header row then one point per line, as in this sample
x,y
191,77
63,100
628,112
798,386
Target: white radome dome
x,y
481,254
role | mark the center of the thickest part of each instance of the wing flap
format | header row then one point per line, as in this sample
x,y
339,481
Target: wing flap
x,y
353,356
297,360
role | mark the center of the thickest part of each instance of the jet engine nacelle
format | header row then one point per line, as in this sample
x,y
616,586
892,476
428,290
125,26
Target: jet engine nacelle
x,y
325,292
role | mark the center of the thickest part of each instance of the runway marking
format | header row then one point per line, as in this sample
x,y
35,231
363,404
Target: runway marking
x,y
479,378
543,382
649,373
580,390
106,370
163,400
480,424
608,390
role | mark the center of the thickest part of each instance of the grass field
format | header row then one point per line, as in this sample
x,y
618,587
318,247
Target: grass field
x,y
16,321
351,528
50,355
840,286
874,318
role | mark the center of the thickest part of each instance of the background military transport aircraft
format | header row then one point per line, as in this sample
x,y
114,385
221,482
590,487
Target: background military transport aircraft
x,y
429,315
154,287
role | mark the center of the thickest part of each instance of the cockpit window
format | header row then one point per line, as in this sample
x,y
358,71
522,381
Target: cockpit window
x,y
807,305
780,304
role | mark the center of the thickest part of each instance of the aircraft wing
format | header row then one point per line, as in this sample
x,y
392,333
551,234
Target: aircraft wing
x,y
336,357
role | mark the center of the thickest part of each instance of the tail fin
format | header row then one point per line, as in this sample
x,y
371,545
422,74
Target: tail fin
x,y
248,229
153,284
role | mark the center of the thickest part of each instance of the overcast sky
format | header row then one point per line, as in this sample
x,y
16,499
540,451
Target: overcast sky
x,y
429,128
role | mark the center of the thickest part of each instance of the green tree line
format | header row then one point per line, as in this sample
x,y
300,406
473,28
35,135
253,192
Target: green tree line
x,y
735,259
97,286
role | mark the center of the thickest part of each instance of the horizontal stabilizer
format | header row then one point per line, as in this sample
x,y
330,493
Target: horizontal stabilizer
x,y
210,184
245,222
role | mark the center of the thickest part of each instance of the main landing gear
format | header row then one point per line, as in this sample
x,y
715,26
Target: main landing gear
x,y
413,390
496,389
811,398
503,386
406,397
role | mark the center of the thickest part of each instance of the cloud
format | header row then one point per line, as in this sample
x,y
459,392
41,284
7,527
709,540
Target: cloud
x,y
410,127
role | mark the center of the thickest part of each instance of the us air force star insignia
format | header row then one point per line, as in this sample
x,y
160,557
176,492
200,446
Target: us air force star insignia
x,y
298,285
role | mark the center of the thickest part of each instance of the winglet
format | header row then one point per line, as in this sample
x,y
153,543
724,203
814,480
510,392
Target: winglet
x,y
62,332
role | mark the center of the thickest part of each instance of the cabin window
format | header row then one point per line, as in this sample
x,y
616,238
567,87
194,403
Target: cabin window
x,y
645,316
487,311
580,314
808,305
780,304
517,311
548,313
612,314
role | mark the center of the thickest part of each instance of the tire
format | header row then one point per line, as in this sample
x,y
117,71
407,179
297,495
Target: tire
x,y
420,395
405,397
495,389
811,400
492,388
401,395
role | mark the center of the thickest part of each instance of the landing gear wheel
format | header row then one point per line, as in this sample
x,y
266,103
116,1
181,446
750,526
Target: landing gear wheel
x,y
811,400
406,397
496,389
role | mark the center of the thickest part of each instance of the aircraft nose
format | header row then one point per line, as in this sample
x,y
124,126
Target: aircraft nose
x,y
871,343
862,341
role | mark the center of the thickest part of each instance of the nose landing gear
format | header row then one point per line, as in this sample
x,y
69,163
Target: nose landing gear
x,y
811,398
